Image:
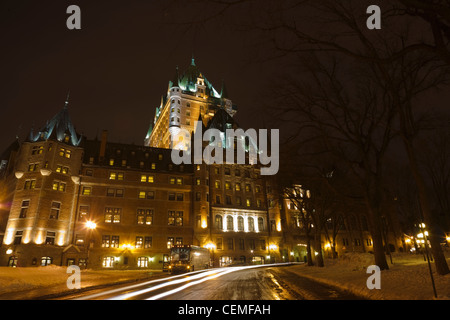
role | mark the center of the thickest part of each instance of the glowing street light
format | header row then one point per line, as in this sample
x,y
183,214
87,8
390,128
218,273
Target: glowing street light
x,y
91,225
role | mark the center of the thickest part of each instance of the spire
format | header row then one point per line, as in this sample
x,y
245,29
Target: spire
x,y
175,80
223,92
67,100
192,60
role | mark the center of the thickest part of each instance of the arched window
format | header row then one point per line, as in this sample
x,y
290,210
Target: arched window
x,y
260,224
230,224
240,222
251,224
218,222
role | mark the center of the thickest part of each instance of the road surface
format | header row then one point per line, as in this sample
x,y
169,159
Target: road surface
x,y
267,282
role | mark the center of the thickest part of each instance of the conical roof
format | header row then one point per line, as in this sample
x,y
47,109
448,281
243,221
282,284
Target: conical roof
x,y
59,127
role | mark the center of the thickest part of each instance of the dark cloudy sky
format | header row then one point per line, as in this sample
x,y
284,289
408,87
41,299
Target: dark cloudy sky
x,y
118,65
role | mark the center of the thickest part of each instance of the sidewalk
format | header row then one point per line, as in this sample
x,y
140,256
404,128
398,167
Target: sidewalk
x,y
42,282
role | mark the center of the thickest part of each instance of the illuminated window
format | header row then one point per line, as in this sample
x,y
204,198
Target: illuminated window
x,y
59,186
37,150
227,185
63,152
145,216
45,261
170,242
153,166
84,212
112,176
247,188
238,187
139,243
248,202
114,241
179,181
108,262
87,191
258,189
217,184
111,162
106,241
79,239
112,215
175,218
198,181
142,262
33,167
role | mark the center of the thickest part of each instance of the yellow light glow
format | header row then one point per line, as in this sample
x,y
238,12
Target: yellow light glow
x,y
210,246
448,238
39,239
91,225
273,247
407,240
327,245
9,237
279,226
204,224
9,251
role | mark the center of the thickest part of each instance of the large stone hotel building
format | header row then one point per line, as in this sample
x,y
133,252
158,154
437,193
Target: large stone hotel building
x,y
67,200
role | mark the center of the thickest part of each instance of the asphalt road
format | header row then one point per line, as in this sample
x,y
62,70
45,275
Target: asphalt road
x,y
268,282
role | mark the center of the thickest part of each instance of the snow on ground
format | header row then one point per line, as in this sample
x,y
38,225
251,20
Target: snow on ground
x,y
52,279
408,278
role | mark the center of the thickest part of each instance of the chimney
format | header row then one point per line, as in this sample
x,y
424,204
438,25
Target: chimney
x,y
103,146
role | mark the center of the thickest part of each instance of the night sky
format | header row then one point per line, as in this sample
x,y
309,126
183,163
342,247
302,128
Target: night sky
x,y
119,64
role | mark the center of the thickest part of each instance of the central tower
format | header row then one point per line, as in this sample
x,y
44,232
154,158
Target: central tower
x,y
189,97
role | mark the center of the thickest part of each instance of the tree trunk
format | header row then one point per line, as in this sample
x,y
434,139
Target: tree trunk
x,y
430,222
308,251
377,237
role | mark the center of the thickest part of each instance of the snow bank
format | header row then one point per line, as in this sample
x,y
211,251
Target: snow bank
x,y
408,278
55,277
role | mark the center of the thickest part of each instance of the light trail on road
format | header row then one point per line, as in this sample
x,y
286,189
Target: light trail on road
x,y
182,282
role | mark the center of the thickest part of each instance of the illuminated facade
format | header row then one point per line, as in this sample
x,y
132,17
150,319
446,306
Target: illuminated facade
x,y
98,204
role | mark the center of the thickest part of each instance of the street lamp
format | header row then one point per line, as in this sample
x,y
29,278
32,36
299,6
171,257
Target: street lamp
x,y
90,225
211,246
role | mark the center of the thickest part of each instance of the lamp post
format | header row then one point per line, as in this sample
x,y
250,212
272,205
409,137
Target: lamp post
x,y
90,225
425,234
211,246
